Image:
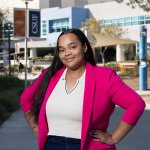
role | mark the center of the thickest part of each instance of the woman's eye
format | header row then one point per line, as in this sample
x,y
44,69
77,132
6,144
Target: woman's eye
x,y
73,47
61,50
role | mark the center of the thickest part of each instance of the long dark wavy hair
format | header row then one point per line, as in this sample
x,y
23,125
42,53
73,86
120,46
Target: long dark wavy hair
x,y
55,66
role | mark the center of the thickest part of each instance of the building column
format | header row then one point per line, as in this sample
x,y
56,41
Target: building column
x,y
17,47
120,53
33,52
131,52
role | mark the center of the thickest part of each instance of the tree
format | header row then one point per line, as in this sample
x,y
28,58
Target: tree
x,y
94,26
5,27
144,4
1,26
3,20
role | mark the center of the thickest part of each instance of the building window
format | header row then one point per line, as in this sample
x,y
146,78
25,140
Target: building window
x,y
147,21
58,25
121,20
44,28
134,18
141,22
114,21
141,18
107,21
134,23
129,21
127,24
147,17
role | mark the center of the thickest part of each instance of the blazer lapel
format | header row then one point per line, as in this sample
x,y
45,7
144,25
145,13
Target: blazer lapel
x,y
88,102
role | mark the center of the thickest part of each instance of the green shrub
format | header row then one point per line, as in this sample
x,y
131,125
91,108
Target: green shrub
x,y
113,65
7,83
3,113
10,90
37,68
48,57
10,100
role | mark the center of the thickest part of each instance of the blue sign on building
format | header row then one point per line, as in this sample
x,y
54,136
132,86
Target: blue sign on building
x,y
34,23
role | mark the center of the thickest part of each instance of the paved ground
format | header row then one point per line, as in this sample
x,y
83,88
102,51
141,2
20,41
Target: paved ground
x,y
16,135
138,138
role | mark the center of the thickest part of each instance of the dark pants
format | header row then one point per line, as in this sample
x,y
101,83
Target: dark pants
x,y
62,143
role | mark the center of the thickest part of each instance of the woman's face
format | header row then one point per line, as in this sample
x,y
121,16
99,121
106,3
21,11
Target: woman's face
x,y
71,51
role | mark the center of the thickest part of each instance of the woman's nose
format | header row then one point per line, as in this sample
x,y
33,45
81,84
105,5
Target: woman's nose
x,y
67,52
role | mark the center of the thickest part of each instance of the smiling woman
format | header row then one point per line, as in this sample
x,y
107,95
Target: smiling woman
x,y
69,106
71,52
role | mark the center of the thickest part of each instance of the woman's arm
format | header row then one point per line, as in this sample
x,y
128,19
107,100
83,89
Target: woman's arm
x,y
121,131
31,122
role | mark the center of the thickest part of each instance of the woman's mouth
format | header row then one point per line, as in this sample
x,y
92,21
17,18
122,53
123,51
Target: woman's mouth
x,y
69,59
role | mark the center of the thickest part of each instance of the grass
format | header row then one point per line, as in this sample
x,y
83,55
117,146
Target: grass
x,y
10,90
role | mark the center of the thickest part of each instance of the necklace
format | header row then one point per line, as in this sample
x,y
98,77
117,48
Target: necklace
x,y
66,89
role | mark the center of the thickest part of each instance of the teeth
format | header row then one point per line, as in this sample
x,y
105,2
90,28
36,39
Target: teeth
x,y
69,60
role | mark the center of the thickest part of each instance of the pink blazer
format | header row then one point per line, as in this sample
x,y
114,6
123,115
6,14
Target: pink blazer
x,y
103,90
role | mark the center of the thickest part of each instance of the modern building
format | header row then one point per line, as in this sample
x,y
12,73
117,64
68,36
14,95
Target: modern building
x,y
9,5
54,20
128,18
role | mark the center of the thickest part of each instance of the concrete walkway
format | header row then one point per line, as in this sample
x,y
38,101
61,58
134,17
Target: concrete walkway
x,y
138,138
16,135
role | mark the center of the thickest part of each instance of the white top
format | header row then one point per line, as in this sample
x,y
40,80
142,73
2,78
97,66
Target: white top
x,y
64,110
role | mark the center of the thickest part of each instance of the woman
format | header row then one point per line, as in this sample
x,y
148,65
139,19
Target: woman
x,y
69,105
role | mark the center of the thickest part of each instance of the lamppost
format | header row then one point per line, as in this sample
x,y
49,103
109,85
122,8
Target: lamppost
x,y
9,47
7,28
26,41
143,59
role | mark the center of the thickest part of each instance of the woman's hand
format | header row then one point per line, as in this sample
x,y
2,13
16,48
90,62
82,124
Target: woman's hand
x,y
100,136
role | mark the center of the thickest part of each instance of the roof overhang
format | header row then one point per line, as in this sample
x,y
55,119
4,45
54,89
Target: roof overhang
x,y
103,40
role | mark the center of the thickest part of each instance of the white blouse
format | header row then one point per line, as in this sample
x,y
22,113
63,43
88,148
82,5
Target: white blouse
x,y
64,110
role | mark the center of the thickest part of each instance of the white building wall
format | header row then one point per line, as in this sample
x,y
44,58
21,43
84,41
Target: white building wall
x,y
113,10
53,14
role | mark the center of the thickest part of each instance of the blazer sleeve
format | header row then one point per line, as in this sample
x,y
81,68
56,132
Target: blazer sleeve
x,y
126,98
27,97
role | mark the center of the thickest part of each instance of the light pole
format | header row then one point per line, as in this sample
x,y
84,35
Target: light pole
x,y
7,28
9,48
26,41
143,59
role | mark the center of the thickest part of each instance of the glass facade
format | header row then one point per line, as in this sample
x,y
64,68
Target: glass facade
x,y
129,21
58,25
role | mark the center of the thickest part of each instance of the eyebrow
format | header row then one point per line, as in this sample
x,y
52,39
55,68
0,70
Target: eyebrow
x,y
68,44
